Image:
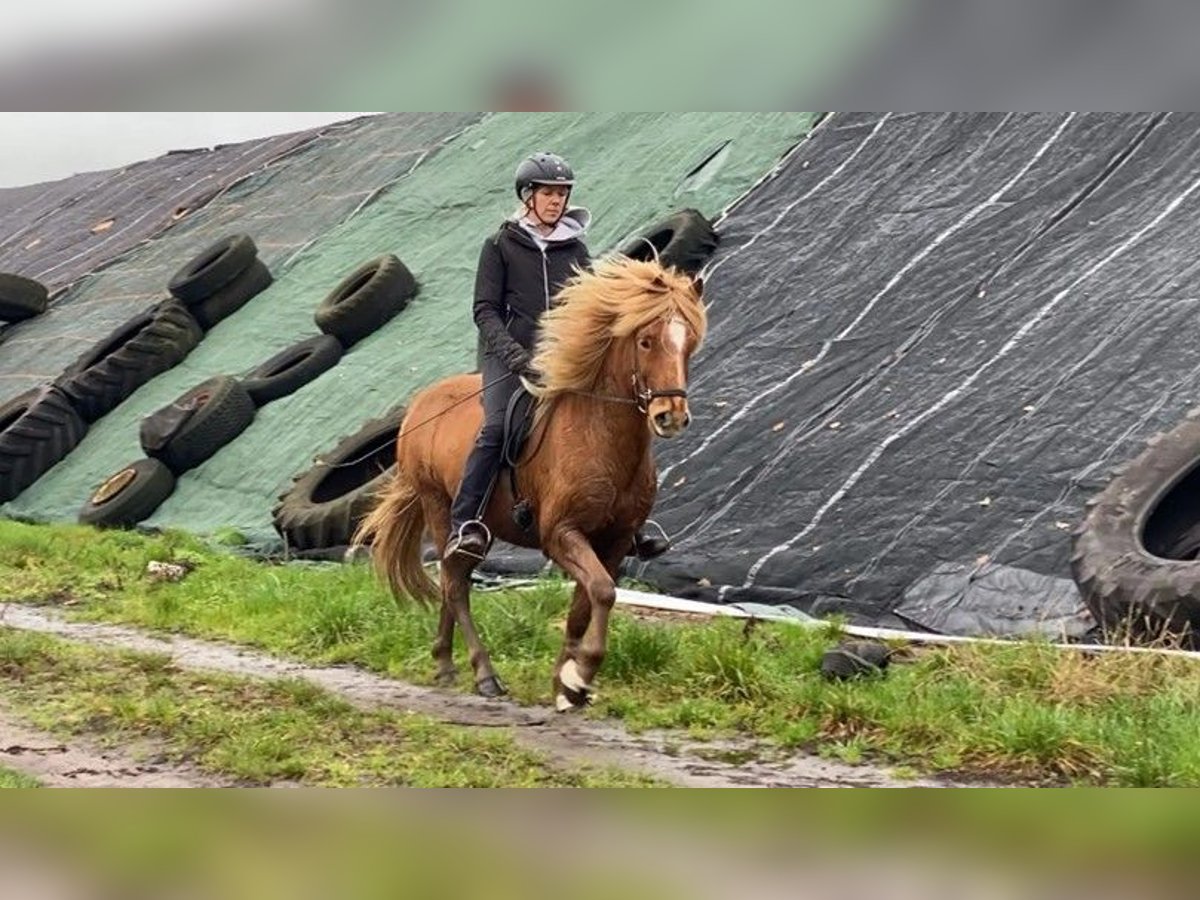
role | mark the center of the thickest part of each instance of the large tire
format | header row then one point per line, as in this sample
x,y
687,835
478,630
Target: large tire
x,y
129,357
292,368
365,300
326,503
185,433
129,495
685,240
21,298
37,429
213,268
233,296
1135,552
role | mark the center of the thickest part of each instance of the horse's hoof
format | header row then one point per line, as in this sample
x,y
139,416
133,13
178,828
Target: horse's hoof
x,y
573,691
569,700
490,687
445,679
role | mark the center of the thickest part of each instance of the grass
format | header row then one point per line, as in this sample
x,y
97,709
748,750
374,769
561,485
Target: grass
x,y
257,732
11,779
1028,711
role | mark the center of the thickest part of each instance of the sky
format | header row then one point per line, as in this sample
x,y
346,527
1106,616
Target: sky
x,y
45,146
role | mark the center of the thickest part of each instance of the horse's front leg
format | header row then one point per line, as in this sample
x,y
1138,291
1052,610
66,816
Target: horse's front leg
x,y
586,636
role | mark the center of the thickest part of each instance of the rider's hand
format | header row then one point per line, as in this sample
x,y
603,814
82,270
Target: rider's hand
x,y
532,376
517,359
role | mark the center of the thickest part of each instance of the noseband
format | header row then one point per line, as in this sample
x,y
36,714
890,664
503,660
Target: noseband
x,y
643,396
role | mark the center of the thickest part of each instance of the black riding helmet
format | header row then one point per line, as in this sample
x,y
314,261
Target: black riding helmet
x,y
542,168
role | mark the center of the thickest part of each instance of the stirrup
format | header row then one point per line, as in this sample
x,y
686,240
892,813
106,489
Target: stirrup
x,y
454,545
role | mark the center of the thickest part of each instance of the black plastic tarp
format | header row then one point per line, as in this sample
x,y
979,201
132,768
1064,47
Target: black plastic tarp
x,y
59,231
932,336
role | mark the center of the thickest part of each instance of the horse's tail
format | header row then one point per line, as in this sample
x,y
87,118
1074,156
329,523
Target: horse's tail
x,y
395,528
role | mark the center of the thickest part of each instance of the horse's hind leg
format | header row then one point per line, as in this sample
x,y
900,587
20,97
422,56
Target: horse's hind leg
x,y
456,583
437,515
443,645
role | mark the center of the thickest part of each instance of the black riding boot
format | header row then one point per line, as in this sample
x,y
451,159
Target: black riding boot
x,y
468,535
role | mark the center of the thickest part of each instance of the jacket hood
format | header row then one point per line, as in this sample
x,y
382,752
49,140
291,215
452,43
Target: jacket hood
x,y
571,226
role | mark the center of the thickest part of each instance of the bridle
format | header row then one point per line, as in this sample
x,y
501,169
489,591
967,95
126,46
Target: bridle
x,y
643,394
642,397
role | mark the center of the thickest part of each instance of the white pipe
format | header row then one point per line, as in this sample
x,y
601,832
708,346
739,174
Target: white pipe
x,y
676,604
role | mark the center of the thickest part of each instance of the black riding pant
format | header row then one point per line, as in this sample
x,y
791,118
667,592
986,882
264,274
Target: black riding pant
x,y
486,457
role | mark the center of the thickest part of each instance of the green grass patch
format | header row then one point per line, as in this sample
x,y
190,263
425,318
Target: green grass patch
x,y
258,732
11,779
1026,711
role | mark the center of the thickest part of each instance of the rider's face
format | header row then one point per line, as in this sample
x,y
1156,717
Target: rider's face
x,y
549,202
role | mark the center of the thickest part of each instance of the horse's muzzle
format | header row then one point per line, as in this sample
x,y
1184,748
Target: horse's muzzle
x,y
671,421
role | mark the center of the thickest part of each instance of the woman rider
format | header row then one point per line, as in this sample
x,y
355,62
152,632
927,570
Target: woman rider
x,y
521,269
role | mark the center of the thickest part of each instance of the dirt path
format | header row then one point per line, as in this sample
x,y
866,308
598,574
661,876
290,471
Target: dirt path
x,y
566,738
58,762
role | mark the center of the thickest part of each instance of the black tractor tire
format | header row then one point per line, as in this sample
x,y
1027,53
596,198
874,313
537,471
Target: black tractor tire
x,y
21,298
1135,552
213,268
129,495
142,348
233,296
685,240
292,368
853,659
325,504
37,429
188,431
365,300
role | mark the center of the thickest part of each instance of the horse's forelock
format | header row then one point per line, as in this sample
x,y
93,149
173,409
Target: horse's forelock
x,y
613,301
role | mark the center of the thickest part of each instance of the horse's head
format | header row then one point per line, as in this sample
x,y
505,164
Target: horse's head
x,y
625,332
662,349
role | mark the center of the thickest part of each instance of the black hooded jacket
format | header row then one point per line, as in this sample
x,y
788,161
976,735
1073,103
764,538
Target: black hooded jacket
x,y
517,281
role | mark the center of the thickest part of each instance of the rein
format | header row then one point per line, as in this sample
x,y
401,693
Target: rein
x,y
411,428
642,397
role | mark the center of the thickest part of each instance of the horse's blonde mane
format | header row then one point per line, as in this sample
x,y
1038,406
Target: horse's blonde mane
x,y
612,301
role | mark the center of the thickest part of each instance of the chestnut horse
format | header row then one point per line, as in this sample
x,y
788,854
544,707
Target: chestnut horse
x,y
613,357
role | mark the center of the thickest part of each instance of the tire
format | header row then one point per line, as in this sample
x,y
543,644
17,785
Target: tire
x,y
128,496
1134,555
37,429
685,240
21,298
233,296
188,431
140,349
325,504
213,268
365,300
852,659
292,368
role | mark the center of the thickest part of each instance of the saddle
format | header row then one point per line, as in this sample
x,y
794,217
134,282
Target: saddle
x,y
518,419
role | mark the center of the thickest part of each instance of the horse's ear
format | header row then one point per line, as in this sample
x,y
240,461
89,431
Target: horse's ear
x,y
658,285
698,285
